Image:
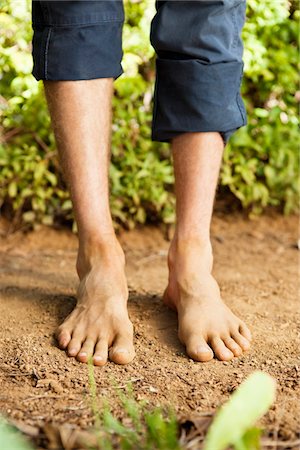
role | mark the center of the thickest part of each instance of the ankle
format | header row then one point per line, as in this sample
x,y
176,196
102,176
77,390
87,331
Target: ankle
x,y
185,242
101,249
190,249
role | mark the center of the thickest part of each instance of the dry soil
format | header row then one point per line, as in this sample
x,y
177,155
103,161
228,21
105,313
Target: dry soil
x,y
256,266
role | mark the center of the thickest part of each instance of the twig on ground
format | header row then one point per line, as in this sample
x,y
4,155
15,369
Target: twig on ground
x,y
281,444
124,386
37,397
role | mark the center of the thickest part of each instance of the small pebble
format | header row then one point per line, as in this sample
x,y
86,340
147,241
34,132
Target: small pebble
x,y
56,387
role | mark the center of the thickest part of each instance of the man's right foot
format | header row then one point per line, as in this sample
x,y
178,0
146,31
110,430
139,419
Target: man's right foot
x,y
99,325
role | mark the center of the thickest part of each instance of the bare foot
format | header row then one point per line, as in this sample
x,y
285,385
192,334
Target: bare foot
x,y
207,327
99,324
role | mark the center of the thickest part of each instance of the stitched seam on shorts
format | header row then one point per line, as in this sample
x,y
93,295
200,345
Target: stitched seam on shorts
x,y
46,53
83,24
40,56
154,113
238,98
239,106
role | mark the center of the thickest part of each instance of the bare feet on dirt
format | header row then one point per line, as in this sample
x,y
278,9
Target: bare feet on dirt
x,y
99,325
207,327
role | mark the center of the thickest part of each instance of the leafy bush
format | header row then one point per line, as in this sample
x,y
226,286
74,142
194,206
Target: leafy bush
x,y
260,163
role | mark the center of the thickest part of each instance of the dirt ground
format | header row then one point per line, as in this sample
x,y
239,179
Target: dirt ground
x,y
256,266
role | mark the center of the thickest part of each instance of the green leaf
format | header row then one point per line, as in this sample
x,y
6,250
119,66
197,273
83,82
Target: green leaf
x,y
10,438
12,189
248,404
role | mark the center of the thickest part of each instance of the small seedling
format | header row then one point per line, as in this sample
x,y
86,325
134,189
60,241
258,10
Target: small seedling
x,y
232,426
149,430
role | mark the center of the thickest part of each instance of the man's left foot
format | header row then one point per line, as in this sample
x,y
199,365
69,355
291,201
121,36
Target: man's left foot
x,y
207,327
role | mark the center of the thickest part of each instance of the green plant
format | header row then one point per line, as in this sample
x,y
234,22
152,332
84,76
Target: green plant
x,y
261,164
11,439
157,429
234,422
145,429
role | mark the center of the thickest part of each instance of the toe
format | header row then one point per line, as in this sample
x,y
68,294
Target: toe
x,y
74,346
245,332
241,341
198,349
63,338
220,350
87,350
233,346
122,351
101,351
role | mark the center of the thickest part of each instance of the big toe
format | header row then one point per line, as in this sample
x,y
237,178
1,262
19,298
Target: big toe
x,y
63,338
198,349
122,351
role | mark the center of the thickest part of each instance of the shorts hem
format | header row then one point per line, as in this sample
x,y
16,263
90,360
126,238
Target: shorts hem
x,y
69,77
167,137
190,96
72,54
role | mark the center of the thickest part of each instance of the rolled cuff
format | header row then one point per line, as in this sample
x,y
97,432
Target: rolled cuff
x,y
78,53
191,96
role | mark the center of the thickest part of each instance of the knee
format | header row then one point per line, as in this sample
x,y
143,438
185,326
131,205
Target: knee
x,y
207,31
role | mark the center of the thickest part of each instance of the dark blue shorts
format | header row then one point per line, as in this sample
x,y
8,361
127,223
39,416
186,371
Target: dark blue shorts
x,y
199,50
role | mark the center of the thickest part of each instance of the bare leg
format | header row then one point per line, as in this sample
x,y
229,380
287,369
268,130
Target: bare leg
x,y
207,327
81,117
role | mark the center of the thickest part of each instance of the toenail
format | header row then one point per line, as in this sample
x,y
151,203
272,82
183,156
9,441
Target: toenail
x,y
203,350
98,358
82,354
120,350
